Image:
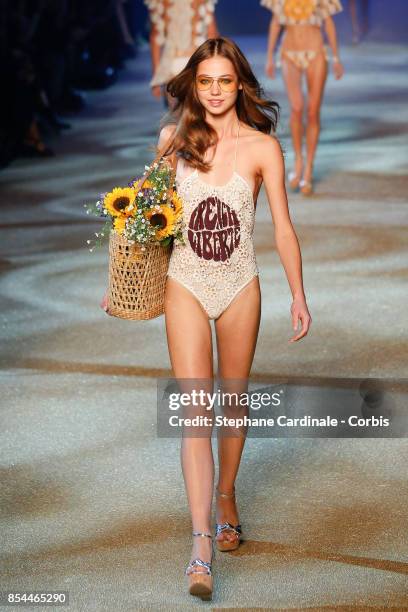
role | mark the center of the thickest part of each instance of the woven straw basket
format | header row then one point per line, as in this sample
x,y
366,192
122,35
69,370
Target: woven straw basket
x,y
137,279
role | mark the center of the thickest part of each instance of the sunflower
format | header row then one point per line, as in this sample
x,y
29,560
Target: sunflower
x,y
119,224
299,10
135,184
177,203
146,185
163,218
118,200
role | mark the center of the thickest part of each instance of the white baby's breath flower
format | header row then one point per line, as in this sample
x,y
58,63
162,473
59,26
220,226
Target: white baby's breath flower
x,y
88,242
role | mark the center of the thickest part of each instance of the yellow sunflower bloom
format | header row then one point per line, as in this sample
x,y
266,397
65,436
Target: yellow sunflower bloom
x,y
119,224
163,218
299,9
146,185
138,185
118,200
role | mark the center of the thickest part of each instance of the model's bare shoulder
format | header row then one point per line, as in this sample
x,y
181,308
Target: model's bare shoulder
x,y
257,138
267,150
270,142
262,150
166,133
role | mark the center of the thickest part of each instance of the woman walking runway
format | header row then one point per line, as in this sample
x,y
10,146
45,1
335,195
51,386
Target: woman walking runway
x,y
220,140
303,52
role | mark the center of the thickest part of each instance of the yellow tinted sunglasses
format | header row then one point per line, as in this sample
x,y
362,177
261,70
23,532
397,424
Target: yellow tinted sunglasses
x,y
227,84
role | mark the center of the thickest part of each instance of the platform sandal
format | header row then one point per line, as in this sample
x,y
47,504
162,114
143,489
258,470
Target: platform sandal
x,y
294,180
225,545
306,187
200,581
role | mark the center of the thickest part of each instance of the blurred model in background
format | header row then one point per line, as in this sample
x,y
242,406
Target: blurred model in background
x,y
178,28
359,29
303,51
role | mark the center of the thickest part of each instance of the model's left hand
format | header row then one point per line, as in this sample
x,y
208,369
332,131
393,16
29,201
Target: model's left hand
x,y
299,311
156,91
338,70
104,303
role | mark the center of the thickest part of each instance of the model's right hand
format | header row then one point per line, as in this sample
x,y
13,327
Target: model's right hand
x,y
300,312
270,68
156,91
104,302
338,69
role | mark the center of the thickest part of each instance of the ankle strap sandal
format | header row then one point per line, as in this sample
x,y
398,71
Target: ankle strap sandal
x,y
206,564
200,581
225,545
306,187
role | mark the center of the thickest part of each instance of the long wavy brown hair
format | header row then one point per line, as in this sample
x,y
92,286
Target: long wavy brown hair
x,y
193,135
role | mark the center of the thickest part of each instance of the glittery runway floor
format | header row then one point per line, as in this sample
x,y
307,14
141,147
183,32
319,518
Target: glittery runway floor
x,y
92,500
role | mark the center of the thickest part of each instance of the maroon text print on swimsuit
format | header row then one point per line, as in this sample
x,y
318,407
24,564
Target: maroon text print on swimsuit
x,y
214,230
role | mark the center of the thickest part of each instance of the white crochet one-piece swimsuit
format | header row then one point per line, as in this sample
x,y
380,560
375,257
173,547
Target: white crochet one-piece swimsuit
x,y
218,257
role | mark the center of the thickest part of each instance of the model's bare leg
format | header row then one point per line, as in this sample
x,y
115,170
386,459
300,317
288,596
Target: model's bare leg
x,y
190,348
354,21
240,321
292,77
316,75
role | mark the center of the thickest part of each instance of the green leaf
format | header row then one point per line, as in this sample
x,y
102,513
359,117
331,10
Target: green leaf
x,y
166,241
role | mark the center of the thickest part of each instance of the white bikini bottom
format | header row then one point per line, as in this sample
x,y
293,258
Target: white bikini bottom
x,y
301,58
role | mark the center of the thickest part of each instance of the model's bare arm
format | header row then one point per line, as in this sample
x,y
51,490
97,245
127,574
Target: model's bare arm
x,y
165,137
155,52
272,167
274,30
331,34
212,30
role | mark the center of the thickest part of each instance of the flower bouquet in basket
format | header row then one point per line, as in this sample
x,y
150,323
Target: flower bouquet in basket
x,y
142,221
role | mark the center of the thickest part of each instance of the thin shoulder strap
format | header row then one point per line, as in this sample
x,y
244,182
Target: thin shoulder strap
x,y
180,168
236,148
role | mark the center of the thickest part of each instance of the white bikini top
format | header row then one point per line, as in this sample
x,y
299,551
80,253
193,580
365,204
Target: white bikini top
x,y
302,12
